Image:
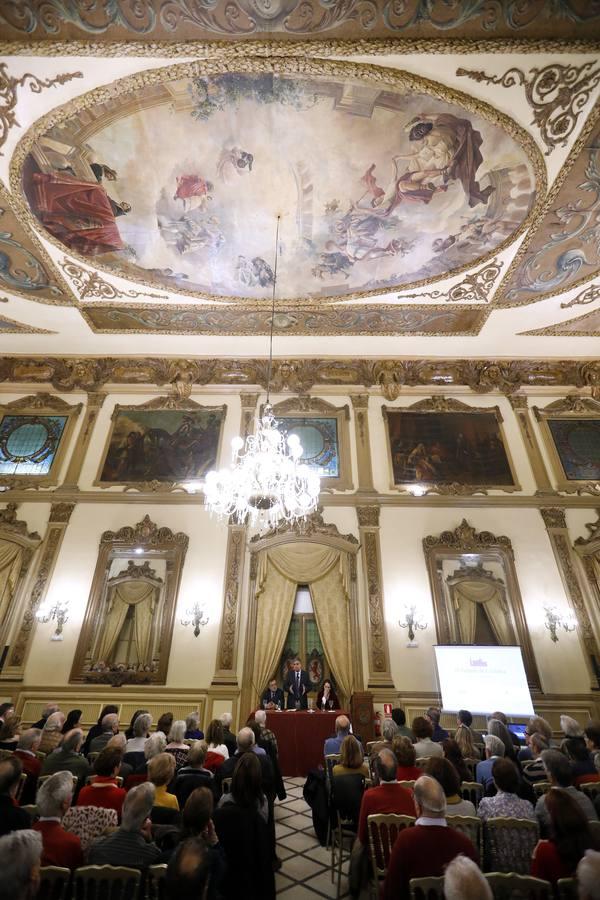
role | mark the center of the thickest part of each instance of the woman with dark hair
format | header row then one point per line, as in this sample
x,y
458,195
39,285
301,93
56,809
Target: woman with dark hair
x,y
129,734
327,698
453,753
95,730
499,730
10,732
72,720
164,723
214,741
570,837
246,786
582,762
444,772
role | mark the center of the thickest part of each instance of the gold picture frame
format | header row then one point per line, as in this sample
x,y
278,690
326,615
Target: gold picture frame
x,y
491,422
491,557
41,405
169,405
140,548
315,408
554,421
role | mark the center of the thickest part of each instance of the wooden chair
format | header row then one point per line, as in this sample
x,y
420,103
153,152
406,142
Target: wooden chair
x,y
470,826
473,791
331,760
20,787
590,788
567,889
109,882
226,785
54,883
540,788
471,765
155,882
509,843
383,829
510,886
91,778
346,796
427,888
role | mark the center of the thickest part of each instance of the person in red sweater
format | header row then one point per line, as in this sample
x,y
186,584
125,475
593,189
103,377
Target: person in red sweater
x,y
387,797
570,837
104,791
425,849
60,847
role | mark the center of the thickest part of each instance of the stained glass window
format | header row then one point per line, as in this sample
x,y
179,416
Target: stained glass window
x,y
319,438
28,444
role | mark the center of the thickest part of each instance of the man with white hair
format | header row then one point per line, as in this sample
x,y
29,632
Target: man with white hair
x,y
29,742
60,847
131,844
67,758
425,849
228,736
494,749
20,853
109,726
266,734
588,876
463,880
50,708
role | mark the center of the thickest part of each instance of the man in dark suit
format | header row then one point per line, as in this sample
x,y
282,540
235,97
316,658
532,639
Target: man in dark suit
x,y
272,697
12,818
297,686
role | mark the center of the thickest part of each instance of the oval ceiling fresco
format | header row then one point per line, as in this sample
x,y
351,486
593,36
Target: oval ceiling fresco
x,y
178,181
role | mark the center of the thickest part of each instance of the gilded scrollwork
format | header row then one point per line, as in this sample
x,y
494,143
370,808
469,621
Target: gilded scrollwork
x,y
557,94
231,596
588,295
91,286
466,539
145,533
9,94
554,517
475,287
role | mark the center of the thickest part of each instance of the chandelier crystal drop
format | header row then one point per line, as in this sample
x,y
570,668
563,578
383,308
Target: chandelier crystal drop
x,y
267,484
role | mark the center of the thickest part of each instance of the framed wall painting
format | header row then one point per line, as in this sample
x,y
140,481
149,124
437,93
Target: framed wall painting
x,y
165,443
571,433
445,446
34,436
323,432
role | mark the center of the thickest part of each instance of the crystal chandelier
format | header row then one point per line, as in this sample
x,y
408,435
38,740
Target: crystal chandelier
x,y
266,484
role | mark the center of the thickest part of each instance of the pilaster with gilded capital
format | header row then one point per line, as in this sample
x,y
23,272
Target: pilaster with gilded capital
x,y
379,654
520,406
360,404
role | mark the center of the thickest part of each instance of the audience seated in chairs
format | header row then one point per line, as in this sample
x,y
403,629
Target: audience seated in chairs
x,y
241,824
399,717
72,721
494,749
426,849
463,737
215,744
192,727
228,736
464,717
258,745
110,726
536,725
129,732
29,742
588,876
141,731
104,791
193,775
434,715
165,722
463,880
444,772
267,737
197,823
582,762
154,745
67,758
498,728
131,844
60,847
20,854
245,742
424,745
11,817
175,745
453,754
387,797
161,771
533,770
50,707
10,732
592,741
569,836
351,759
404,751
118,742
342,730
389,730
96,729
52,732
559,774
505,802
189,872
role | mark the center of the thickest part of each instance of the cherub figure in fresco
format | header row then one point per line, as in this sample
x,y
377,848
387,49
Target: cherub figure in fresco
x,y
233,162
193,191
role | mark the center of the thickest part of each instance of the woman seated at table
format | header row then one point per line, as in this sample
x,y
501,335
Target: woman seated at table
x,y
327,697
351,759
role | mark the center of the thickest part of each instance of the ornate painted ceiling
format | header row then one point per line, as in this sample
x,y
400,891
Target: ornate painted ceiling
x,y
433,171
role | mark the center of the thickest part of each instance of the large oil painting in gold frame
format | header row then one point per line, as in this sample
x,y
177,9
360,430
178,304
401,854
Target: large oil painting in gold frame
x,y
570,430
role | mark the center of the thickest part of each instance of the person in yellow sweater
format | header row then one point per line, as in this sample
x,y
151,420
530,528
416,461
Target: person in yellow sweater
x,y
161,769
351,759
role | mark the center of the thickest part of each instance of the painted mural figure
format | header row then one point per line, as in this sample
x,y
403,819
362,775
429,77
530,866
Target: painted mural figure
x,y
193,191
234,162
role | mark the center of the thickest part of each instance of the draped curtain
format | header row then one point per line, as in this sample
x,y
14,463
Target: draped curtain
x,y
466,595
142,596
327,573
11,556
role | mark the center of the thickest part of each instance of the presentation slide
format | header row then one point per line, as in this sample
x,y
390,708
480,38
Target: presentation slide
x,y
483,679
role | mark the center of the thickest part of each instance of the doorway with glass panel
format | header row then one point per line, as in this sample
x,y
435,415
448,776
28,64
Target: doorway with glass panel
x,y
304,641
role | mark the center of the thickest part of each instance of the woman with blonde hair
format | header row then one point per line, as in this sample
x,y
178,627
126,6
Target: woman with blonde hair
x,y
161,769
464,739
176,745
351,759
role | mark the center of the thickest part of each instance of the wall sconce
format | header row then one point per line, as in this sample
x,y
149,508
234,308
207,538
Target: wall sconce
x,y
555,620
414,622
60,613
195,616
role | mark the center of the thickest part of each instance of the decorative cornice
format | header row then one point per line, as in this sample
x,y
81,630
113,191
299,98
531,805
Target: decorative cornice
x,y
441,404
145,533
553,517
10,523
465,539
572,404
137,571
40,401
300,375
359,401
304,404
368,516
91,286
312,526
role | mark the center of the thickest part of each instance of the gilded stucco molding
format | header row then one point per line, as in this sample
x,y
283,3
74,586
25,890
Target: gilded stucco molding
x,y
312,526
587,325
226,666
520,407
466,539
556,93
91,286
368,73
589,295
475,287
379,656
360,404
594,533
145,533
94,404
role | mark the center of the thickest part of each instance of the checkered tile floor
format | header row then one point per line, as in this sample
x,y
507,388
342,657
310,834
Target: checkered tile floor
x,y
305,873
